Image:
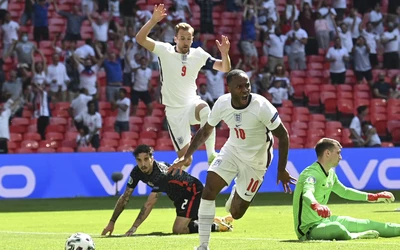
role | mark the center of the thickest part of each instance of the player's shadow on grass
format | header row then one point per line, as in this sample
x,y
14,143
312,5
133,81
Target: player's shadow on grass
x,y
135,235
387,211
299,241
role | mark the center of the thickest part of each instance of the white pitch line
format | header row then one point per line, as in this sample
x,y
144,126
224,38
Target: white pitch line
x,y
369,242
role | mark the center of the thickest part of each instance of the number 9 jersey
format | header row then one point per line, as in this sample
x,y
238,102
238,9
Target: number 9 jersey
x,y
178,73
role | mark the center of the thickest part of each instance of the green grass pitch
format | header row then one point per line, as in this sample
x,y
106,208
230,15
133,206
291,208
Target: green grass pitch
x,y
45,225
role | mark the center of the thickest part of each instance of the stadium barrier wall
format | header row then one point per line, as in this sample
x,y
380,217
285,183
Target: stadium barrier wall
x,y
89,174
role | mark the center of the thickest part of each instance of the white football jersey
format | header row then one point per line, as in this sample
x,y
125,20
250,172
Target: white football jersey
x,y
178,74
250,137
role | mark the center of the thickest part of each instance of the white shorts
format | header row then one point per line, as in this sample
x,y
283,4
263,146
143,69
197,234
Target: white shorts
x,y
248,179
179,121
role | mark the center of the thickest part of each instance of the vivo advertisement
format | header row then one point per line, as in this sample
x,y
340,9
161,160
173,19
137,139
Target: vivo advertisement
x,y
89,174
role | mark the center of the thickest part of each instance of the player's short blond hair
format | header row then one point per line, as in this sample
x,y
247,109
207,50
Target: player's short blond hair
x,y
324,144
183,26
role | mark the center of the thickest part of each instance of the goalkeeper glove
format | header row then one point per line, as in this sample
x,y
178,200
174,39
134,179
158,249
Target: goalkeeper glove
x,y
321,210
386,197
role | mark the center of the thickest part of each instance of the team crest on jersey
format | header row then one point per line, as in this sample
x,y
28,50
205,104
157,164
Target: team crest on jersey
x,y
238,118
180,140
311,180
150,184
130,180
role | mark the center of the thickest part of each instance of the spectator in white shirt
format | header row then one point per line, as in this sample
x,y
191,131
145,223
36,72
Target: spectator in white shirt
x,y
337,56
278,93
86,51
41,109
87,6
276,44
83,138
390,40
362,64
123,105
376,18
205,95
297,56
113,8
270,6
100,28
92,120
371,40
79,106
279,74
39,70
88,75
131,62
345,37
291,11
215,83
329,14
372,138
141,87
353,24
9,31
6,112
58,79
355,126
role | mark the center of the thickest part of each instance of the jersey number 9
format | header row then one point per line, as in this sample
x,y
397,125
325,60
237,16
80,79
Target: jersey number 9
x,y
183,71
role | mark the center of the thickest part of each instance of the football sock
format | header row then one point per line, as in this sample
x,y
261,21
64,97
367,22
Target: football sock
x,y
206,218
210,142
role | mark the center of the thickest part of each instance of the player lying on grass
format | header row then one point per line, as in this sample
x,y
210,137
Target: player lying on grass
x,y
311,195
184,190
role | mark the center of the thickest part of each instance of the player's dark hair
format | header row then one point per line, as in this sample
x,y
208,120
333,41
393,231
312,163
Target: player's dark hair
x,y
365,123
143,148
325,144
361,109
90,103
123,90
233,73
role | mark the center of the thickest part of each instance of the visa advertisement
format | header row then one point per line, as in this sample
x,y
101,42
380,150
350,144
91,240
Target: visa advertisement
x,y
89,174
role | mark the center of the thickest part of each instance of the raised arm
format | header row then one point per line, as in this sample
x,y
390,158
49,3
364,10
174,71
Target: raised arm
x,y
119,207
142,37
144,212
223,65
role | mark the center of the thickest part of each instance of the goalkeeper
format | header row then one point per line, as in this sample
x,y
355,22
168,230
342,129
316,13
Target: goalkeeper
x,y
313,219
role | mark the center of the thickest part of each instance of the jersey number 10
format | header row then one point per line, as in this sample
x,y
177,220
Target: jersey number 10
x,y
240,134
183,71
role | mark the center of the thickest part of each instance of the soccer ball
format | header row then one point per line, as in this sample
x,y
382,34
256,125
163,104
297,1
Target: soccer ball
x,y
79,241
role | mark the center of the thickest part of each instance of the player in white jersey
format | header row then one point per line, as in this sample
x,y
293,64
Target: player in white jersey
x,y
253,121
179,67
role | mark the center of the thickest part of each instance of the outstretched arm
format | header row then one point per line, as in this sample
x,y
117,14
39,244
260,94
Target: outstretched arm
x,y
144,212
119,207
142,37
223,65
348,193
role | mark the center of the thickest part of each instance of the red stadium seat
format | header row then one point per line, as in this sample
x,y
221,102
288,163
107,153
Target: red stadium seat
x,y
287,104
32,136
86,150
164,148
125,148
58,121
147,141
54,136
163,134
329,100
12,145
46,150
24,151
62,105
158,113
111,135
164,141
345,106
333,124
48,144
151,127
128,142
387,145
396,136
333,132
136,120
152,119
30,144
69,143
317,117
285,110
65,150
15,137
55,128
316,125
18,129
109,143
129,135
148,134
70,135
106,149
19,121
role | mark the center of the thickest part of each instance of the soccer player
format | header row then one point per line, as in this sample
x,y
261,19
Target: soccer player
x,y
313,219
253,122
179,67
184,190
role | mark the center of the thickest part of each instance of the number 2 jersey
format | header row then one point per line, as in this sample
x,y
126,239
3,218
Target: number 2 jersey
x,y
178,73
250,136
175,186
